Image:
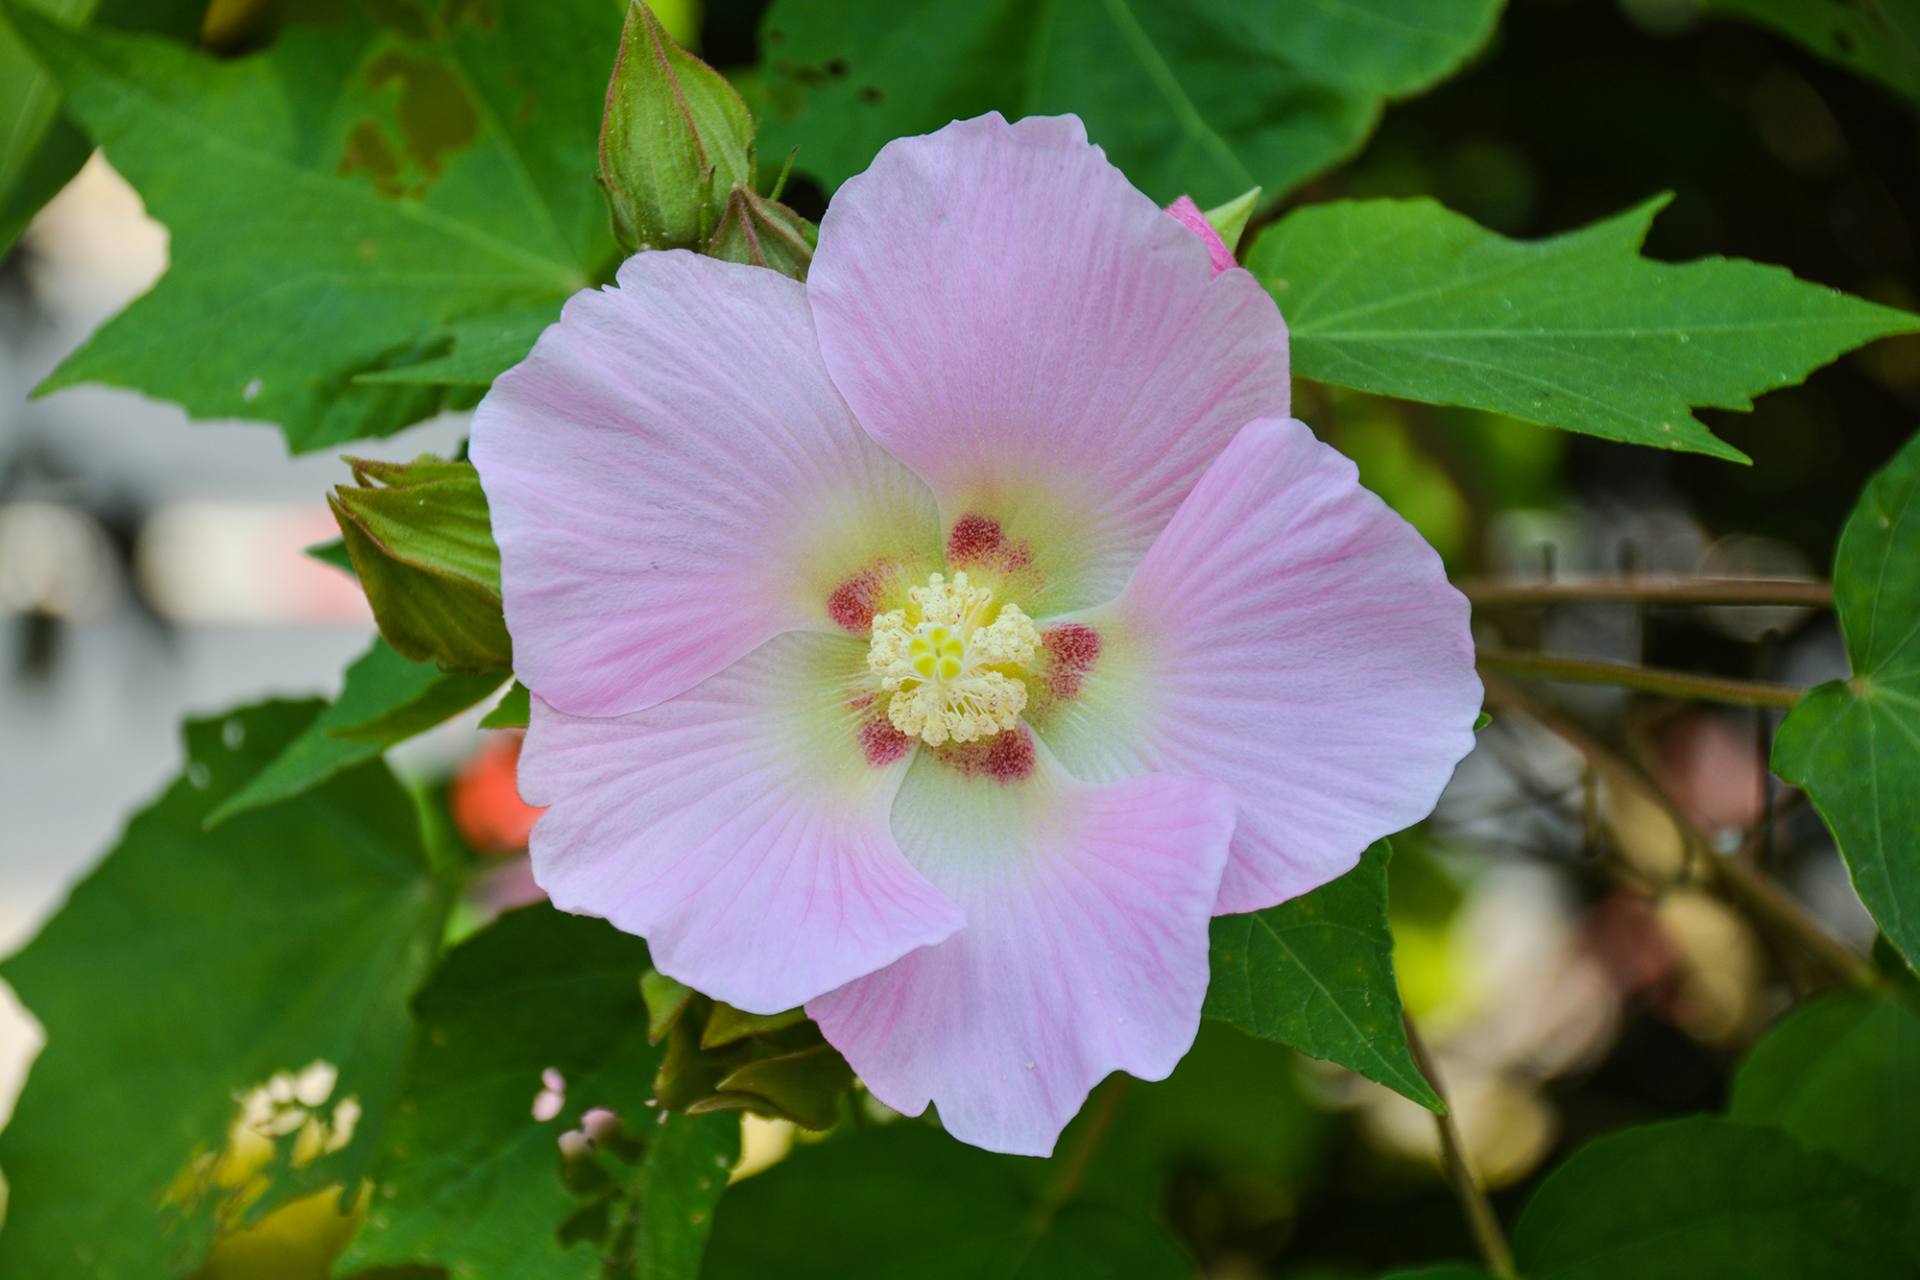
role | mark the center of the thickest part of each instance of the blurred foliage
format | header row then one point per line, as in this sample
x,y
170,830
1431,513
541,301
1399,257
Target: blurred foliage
x,y
216,965
1837,1075
1880,39
1703,1197
42,150
906,1201
475,1175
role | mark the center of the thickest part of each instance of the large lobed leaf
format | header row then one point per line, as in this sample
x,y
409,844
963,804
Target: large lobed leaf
x,y
1814,1173
349,201
1205,97
471,1181
385,699
1855,744
39,150
1404,298
1316,973
191,967
907,1200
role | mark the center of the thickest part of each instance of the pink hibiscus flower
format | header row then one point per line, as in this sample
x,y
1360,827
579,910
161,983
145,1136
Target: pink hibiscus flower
x,y
940,643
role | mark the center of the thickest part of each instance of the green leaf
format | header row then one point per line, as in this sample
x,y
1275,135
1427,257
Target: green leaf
x,y
470,1181
333,552
1316,973
39,150
1203,97
1405,298
513,712
481,350
1838,1074
1707,1197
187,970
384,699
1445,1271
906,1200
1855,744
422,545
1879,39
676,138
344,202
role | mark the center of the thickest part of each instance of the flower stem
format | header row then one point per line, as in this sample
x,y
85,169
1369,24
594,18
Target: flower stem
x,y
1675,684
1075,1164
1806,592
1474,1205
1745,885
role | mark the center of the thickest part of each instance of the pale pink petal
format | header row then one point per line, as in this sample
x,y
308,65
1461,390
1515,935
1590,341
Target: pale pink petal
x,y
741,828
674,480
1085,950
1188,214
1292,637
1012,319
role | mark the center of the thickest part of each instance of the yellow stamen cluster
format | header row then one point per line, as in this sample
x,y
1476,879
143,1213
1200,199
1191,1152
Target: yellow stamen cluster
x,y
950,660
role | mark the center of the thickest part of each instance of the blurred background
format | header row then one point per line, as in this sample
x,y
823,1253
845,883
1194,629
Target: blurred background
x,y
1569,978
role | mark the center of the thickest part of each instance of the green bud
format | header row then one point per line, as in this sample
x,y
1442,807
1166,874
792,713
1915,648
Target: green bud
x,y
1230,219
727,1024
762,232
804,1087
676,138
666,1000
422,546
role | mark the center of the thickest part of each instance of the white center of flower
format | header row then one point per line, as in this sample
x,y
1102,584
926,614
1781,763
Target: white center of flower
x,y
952,660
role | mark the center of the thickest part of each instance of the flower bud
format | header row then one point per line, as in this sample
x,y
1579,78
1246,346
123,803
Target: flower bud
x,y
762,232
675,139
421,541
1229,220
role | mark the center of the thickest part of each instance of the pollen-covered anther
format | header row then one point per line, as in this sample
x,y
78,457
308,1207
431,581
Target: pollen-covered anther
x,y
952,661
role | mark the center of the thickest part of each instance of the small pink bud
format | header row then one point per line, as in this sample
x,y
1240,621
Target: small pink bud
x,y
1185,212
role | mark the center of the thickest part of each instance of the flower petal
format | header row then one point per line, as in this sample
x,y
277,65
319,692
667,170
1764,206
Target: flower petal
x,y
1012,319
1292,637
1189,215
740,828
674,480
1085,949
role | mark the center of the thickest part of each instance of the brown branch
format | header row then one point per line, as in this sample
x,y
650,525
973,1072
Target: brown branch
x,y
1735,879
1626,675
1494,594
